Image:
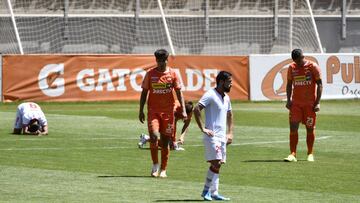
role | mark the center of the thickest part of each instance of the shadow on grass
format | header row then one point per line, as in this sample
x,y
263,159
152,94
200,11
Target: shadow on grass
x,y
256,161
125,176
269,161
180,200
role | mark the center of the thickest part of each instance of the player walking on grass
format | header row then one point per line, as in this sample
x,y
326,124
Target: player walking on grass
x,y
160,82
218,131
303,91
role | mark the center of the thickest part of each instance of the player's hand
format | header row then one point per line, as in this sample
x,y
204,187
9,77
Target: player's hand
x,y
316,107
288,104
208,132
141,117
229,139
181,140
184,115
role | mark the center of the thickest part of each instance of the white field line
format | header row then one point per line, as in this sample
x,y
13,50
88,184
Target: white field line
x,y
130,147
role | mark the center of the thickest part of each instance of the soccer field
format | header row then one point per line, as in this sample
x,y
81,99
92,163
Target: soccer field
x,y
91,155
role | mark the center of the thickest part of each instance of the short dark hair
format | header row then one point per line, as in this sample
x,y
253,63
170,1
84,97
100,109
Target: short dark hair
x,y
189,106
223,75
161,54
296,54
34,125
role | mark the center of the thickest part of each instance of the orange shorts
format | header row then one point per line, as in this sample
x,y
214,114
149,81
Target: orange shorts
x,y
161,122
304,114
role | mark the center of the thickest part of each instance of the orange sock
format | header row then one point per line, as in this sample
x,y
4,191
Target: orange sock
x,y
165,151
154,152
294,138
310,138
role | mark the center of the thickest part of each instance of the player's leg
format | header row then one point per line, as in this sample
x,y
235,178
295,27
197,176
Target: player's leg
x,y
310,122
154,127
295,117
173,144
166,130
215,155
18,123
214,189
165,152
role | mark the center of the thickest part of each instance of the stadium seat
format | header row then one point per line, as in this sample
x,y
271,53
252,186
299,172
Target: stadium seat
x,y
351,49
279,48
85,48
240,48
147,49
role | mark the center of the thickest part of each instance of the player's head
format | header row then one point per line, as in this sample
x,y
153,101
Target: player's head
x,y
224,81
161,56
34,125
189,106
297,56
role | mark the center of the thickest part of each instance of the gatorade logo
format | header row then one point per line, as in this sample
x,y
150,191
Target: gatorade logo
x,y
267,85
50,81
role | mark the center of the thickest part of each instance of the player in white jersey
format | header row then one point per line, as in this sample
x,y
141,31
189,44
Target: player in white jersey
x,y
218,131
30,120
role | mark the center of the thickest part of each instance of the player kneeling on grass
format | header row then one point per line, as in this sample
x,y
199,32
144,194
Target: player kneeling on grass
x,y
160,83
175,144
303,91
30,120
218,131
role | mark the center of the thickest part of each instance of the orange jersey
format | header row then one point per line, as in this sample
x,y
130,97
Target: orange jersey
x,y
160,86
304,82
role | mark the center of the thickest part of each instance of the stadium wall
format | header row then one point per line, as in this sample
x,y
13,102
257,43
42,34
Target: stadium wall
x,y
118,77
111,77
340,76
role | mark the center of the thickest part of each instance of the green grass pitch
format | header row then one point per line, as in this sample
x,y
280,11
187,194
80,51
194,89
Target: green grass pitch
x,y
91,155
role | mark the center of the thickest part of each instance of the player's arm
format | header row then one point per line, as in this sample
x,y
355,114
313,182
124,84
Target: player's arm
x,y
197,113
143,97
319,89
230,127
184,130
180,97
45,130
289,89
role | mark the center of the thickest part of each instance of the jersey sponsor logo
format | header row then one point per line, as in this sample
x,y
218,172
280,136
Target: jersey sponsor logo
x,y
302,83
154,79
161,85
280,71
162,91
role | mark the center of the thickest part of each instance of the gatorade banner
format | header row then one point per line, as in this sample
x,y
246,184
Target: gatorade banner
x,y
340,75
112,77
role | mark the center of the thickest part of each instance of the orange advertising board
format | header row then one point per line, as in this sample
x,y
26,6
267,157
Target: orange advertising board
x,y
111,77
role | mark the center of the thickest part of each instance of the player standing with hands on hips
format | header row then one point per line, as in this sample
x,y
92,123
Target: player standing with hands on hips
x,y
218,131
303,91
160,82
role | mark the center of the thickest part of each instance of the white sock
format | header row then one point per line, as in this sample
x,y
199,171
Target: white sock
x,y
208,181
214,189
147,137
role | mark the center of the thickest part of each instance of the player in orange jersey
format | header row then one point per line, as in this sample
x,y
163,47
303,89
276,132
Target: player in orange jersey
x,y
175,144
160,82
303,91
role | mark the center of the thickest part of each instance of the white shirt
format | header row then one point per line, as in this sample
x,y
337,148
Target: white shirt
x,y
29,111
216,109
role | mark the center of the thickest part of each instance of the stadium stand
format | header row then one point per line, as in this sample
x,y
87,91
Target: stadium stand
x,y
122,34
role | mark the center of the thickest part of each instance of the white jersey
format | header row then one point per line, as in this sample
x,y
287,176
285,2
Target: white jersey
x,y
216,109
28,111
